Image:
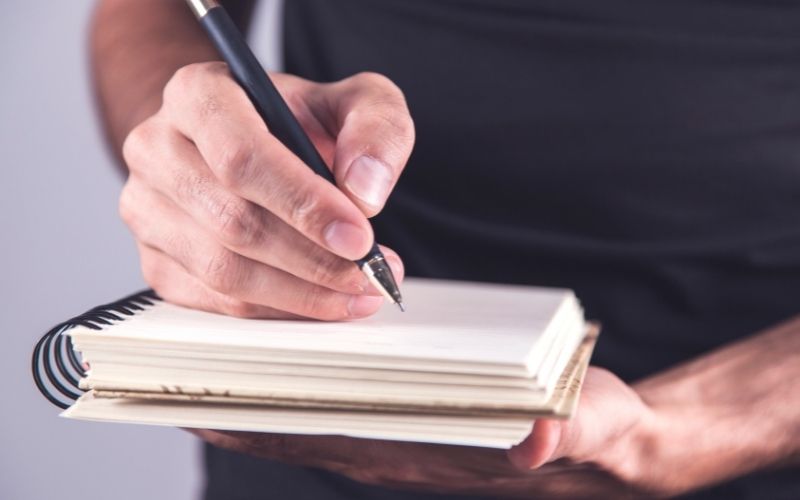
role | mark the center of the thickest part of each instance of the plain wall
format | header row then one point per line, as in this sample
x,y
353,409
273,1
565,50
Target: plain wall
x,y
64,250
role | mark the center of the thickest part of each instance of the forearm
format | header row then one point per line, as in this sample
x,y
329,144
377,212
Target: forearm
x,y
135,48
725,414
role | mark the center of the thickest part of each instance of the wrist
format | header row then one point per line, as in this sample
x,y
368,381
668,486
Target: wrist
x,y
633,457
675,449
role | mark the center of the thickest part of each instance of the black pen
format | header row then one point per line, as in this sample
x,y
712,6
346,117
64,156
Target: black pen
x,y
252,77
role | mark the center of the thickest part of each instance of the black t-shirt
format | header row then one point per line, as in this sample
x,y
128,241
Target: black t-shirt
x,y
645,153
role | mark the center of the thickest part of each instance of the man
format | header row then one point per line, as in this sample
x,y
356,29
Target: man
x,y
642,153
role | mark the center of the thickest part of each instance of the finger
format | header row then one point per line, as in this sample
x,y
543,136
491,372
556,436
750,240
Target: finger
x,y
395,263
285,448
605,414
338,453
538,447
238,224
215,114
177,286
305,99
368,118
375,138
232,274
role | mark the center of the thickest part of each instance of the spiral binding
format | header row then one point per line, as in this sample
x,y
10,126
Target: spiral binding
x,y
55,365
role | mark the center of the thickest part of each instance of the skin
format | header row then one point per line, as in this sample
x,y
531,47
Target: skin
x,y
227,220
725,414
237,212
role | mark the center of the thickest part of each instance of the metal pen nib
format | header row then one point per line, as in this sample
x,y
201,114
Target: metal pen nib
x,y
380,274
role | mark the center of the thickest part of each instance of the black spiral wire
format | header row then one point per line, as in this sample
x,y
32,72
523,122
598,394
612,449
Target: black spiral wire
x,y
55,365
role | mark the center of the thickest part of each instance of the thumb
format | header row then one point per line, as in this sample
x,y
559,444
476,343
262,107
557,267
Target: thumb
x,y
607,411
547,441
376,135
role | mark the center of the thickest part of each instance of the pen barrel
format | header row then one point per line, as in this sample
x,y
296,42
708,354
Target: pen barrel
x,y
266,99
269,104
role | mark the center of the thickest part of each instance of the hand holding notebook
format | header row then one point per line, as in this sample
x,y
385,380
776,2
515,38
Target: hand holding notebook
x,y
473,364
588,438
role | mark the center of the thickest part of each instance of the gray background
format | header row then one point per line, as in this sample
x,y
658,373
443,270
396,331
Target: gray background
x,y
64,250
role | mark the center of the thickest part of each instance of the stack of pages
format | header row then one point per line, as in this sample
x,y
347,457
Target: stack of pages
x,y
467,364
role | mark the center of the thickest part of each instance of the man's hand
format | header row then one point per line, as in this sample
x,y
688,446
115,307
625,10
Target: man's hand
x,y
591,456
720,416
227,219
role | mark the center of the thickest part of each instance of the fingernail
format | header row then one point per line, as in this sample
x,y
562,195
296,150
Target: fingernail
x,y
364,305
369,180
396,265
345,239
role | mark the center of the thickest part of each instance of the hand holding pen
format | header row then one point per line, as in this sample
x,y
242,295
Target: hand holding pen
x,y
244,226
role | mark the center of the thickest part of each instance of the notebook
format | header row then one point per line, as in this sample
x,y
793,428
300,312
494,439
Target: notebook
x,y
467,364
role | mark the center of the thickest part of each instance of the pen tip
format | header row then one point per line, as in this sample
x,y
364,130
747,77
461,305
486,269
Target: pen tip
x,y
401,306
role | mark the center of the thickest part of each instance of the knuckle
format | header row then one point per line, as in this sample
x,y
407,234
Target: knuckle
x,y
389,109
303,206
137,142
400,123
222,272
236,222
187,188
400,133
405,130
209,104
327,269
127,207
190,78
234,163
322,274
375,80
174,243
316,303
198,87
382,88
180,83
240,309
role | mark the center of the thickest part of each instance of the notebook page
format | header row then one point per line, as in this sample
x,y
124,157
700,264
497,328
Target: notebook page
x,y
451,321
456,430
